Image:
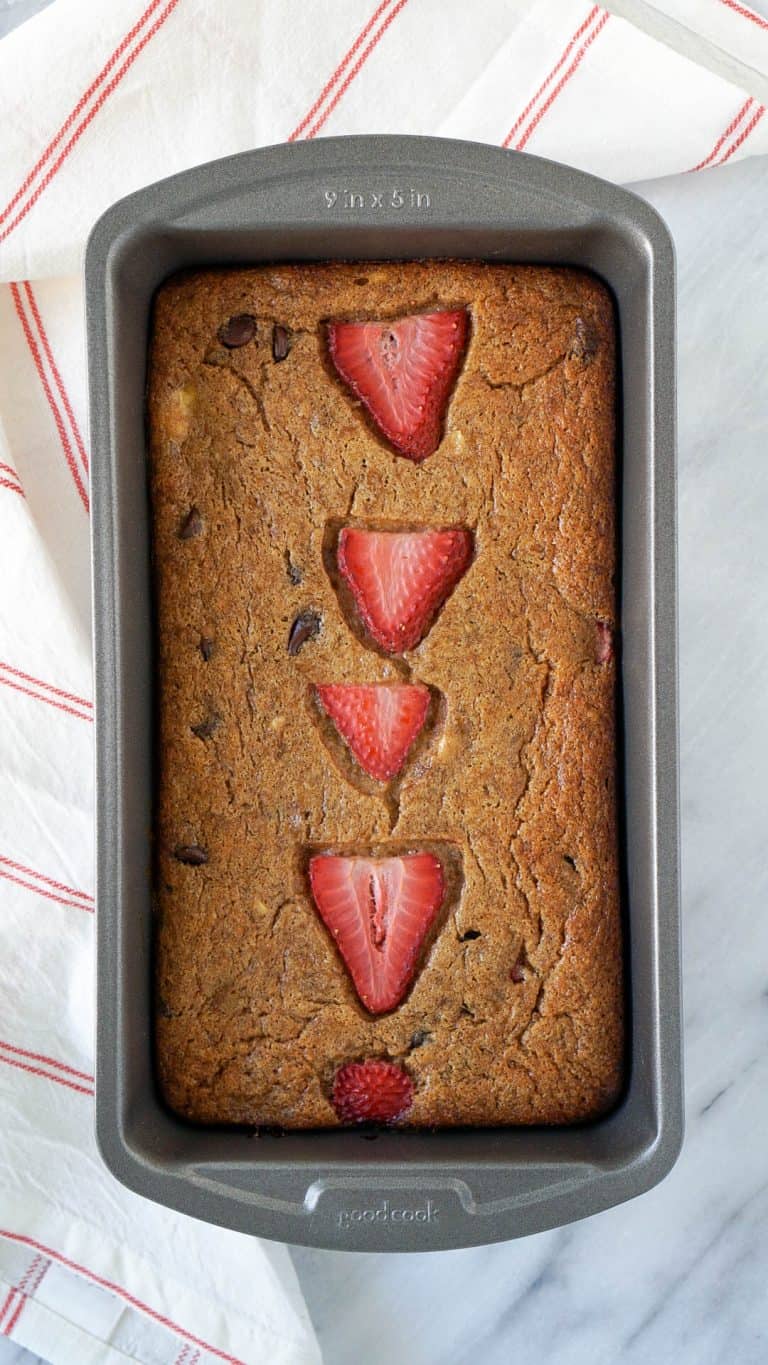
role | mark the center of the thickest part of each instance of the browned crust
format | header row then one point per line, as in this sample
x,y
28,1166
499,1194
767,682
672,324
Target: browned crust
x,y
254,1007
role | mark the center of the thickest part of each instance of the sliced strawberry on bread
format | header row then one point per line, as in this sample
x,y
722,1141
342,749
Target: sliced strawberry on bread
x,y
379,911
400,579
379,721
403,372
373,1091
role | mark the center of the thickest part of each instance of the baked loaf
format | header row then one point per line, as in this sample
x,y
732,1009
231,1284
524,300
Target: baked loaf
x,y
259,457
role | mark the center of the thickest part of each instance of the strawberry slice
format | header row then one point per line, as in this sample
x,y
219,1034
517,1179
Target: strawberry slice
x,y
379,721
373,1091
403,372
379,911
400,579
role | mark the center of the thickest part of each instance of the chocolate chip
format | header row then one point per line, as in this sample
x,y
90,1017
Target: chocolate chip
x,y
191,526
294,572
419,1038
469,934
206,647
238,331
191,854
207,727
571,861
281,342
585,342
163,1009
305,627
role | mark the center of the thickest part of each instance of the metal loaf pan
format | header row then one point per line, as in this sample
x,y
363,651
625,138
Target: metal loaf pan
x,y
377,198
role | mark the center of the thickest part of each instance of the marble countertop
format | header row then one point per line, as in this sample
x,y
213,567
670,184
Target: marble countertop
x,y
677,1276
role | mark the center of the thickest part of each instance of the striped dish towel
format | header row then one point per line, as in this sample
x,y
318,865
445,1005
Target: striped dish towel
x,y
95,102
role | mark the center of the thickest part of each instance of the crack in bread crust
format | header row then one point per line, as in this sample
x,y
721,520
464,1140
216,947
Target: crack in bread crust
x,y
517,1008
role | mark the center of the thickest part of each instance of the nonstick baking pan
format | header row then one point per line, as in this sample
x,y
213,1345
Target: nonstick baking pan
x,y
384,198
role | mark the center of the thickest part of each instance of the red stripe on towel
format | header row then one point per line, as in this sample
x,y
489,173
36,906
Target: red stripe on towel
x,y
38,682
49,881
8,1301
561,84
745,13
81,103
352,74
732,126
49,895
92,112
362,59
48,1061
47,1075
64,396
34,350
124,1294
340,69
734,147
27,1290
593,13
38,696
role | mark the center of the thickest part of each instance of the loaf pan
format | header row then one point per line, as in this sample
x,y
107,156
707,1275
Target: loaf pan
x,y
384,198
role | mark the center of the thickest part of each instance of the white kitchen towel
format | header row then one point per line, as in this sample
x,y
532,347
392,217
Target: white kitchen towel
x,y
96,101
99,100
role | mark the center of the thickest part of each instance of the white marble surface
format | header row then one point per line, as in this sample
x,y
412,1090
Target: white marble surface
x,y
13,12
677,1277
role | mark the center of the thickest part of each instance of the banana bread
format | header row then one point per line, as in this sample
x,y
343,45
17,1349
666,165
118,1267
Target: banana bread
x,y
274,492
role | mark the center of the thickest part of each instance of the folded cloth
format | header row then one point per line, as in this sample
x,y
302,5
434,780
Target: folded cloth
x,y
95,104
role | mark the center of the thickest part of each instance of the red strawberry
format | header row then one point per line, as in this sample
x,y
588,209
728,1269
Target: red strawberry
x,y
379,911
400,579
403,372
379,721
372,1091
